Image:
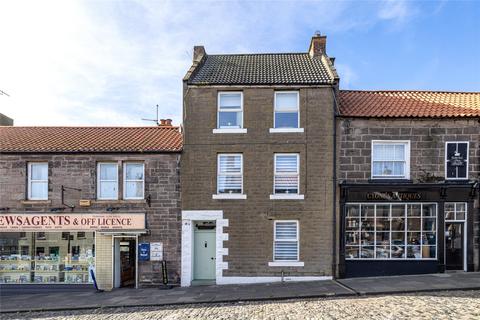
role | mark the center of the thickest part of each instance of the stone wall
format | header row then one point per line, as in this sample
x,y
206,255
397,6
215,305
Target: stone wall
x,y
251,221
427,143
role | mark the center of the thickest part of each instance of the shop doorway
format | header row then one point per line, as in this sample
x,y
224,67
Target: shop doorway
x,y
455,245
125,262
204,253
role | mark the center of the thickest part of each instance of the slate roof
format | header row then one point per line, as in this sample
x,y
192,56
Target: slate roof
x,y
90,139
417,104
262,69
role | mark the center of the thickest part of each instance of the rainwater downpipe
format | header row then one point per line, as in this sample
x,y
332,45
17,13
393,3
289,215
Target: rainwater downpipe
x,y
334,185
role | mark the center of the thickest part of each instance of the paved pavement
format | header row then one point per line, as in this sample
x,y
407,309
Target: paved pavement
x,y
14,301
414,283
435,305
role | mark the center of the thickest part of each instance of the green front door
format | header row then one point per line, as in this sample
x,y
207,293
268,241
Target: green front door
x,y
204,255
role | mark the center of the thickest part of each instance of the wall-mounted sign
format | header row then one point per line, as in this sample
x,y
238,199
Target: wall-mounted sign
x,y
71,221
457,160
144,251
156,251
394,196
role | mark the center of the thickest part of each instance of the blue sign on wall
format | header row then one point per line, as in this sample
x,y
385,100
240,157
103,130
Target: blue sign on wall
x,y
144,251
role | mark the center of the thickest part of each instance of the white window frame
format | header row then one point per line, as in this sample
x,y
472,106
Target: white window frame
x,y
286,130
238,196
438,228
286,196
407,159
230,130
125,181
467,160
286,263
99,164
30,180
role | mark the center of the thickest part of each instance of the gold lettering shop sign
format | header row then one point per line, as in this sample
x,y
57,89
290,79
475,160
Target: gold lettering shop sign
x,y
395,196
71,222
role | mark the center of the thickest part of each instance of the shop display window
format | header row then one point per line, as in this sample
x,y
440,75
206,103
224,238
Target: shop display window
x,y
391,231
46,257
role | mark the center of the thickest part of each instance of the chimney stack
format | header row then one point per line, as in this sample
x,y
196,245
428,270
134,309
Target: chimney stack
x,y
198,53
165,123
318,45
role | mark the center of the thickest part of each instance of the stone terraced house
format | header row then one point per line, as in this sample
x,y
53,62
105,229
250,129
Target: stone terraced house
x,y
258,185
409,170
78,199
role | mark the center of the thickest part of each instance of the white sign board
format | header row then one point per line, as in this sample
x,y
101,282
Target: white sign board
x,y
156,251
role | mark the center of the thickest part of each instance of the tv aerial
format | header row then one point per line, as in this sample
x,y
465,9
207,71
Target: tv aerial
x,y
153,120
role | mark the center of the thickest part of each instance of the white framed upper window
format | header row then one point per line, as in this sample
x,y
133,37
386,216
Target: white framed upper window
x,y
107,181
133,180
455,211
390,159
230,174
456,160
286,241
37,181
286,173
230,110
286,110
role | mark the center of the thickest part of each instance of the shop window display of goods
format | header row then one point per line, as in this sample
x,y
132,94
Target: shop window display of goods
x,y
46,257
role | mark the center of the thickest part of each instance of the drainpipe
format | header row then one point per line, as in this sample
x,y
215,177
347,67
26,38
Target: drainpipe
x,y
334,185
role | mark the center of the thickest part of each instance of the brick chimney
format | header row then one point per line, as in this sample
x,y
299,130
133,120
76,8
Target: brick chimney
x,y
198,53
165,123
318,45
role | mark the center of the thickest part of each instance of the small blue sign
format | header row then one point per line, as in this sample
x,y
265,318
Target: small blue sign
x,y
144,251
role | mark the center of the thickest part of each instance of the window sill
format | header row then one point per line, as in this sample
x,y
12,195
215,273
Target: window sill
x,y
229,196
286,264
237,130
118,201
286,130
287,197
36,201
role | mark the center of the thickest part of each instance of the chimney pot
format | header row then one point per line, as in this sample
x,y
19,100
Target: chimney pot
x,y
165,122
318,45
198,53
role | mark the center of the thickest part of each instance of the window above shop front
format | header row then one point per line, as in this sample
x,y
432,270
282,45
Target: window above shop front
x,y
456,160
391,231
133,180
107,186
37,181
390,159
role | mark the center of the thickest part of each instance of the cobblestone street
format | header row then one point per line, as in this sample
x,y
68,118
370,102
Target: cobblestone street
x,y
439,305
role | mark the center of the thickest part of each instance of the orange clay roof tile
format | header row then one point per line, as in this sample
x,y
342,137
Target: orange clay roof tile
x,y
90,139
405,104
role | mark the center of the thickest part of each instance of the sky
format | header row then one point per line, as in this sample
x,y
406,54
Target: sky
x,y
108,63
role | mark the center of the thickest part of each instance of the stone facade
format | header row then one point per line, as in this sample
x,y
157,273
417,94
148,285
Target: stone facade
x,y
427,160
162,187
427,142
249,248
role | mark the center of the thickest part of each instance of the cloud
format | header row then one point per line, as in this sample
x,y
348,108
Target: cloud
x,y
111,62
398,11
348,76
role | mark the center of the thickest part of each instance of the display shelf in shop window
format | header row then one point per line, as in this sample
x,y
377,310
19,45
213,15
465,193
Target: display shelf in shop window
x,y
15,268
47,269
